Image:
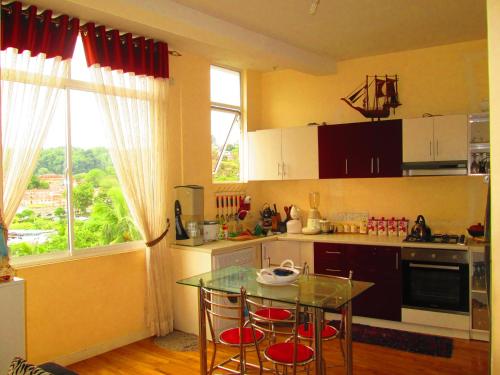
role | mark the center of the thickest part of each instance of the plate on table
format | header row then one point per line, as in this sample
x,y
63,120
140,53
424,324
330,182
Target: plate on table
x,y
260,280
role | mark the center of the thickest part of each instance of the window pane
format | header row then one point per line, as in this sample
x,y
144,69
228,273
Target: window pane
x,y
79,69
101,213
225,86
40,224
226,137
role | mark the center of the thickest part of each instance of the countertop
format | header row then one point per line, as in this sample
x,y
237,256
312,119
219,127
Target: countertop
x,y
224,246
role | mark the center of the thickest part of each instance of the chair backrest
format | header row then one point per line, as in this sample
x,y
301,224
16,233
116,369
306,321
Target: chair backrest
x,y
273,326
225,306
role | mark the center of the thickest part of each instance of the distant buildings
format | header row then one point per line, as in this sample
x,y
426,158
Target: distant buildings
x,y
45,201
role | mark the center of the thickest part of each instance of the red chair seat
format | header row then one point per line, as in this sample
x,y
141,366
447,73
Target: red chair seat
x,y
283,353
327,332
232,336
275,313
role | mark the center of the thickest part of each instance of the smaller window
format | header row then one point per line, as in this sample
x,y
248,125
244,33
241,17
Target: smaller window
x,y
226,129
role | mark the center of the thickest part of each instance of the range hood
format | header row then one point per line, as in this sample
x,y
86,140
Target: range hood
x,y
435,168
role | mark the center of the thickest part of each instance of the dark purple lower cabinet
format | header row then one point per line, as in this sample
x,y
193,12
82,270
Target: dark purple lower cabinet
x,y
378,264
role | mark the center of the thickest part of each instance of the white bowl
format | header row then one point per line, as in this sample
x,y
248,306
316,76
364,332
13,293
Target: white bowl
x,y
279,275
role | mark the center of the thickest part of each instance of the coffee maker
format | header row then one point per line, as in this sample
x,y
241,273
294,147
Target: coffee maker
x,y
188,215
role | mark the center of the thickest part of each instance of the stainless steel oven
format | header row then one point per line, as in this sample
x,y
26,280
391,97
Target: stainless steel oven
x,y
435,279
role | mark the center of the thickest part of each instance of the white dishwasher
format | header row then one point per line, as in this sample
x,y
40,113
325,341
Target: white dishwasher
x,y
246,257
241,257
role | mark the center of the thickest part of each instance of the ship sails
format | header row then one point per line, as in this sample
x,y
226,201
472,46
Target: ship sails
x,y
378,93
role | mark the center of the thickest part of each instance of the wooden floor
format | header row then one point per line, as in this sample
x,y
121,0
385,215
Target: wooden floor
x,y
144,357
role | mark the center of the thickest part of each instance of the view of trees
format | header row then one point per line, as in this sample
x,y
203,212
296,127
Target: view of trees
x,y
101,213
229,169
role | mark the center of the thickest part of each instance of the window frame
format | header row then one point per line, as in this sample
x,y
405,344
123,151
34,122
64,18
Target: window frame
x,y
237,110
72,253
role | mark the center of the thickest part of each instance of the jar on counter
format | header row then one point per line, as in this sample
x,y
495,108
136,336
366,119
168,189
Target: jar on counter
x,y
392,227
382,227
372,226
403,227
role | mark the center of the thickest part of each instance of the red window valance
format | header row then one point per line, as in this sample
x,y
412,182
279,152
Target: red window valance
x,y
25,29
123,52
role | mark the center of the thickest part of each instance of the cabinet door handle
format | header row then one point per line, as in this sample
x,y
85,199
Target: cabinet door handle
x,y
283,169
430,148
332,270
346,169
397,261
378,165
279,170
371,166
333,252
437,147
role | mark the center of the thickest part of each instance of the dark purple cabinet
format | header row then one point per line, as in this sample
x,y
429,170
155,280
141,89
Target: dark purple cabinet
x,y
358,150
378,264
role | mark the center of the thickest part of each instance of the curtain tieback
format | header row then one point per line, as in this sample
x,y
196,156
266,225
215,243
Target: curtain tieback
x,y
155,241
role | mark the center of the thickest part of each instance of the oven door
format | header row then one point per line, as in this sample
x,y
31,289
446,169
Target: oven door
x,y
436,286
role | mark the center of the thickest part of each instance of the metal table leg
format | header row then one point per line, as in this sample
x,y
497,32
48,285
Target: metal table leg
x,y
348,336
318,344
202,337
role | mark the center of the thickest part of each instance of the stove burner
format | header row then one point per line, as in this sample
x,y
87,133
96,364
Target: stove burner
x,y
451,239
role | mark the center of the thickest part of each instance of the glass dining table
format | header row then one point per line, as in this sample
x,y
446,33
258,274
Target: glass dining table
x,y
317,292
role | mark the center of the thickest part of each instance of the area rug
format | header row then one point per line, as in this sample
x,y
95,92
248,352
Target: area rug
x,y
178,341
401,340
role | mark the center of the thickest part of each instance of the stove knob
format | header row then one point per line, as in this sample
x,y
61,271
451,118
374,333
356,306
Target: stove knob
x,y
412,254
455,257
433,256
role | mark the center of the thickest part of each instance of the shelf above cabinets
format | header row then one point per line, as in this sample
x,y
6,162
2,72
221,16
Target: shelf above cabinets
x,y
283,154
359,150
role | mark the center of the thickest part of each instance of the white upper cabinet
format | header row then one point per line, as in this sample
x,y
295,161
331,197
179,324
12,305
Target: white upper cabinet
x,y
439,138
450,137
418,139
264,155
283,154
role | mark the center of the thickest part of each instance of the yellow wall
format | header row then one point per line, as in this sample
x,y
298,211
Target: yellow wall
x,y
494,69
81,304
439,80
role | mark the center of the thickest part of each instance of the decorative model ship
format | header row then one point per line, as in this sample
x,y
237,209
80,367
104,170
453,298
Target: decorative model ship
x,y
379,94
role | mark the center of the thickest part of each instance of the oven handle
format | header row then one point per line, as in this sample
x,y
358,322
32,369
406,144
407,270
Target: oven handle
x,y
432,266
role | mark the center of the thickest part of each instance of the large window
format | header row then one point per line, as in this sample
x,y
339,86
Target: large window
x,y
80,207
225,97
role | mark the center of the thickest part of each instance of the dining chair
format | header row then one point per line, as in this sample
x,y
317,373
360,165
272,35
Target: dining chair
x,y
279,313
230,307
328,332
287,353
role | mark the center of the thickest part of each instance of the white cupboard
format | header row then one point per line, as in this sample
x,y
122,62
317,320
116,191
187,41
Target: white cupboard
x,y
275,252
12,322
283,154
439,138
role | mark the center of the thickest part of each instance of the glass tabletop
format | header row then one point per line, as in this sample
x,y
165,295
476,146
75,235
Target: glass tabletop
x,y
312,290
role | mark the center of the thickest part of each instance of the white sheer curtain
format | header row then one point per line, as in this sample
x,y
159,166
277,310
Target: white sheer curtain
x,y
135,109
29,90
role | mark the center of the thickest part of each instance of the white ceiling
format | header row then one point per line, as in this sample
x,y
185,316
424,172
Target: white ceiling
x,y
277,34
345,29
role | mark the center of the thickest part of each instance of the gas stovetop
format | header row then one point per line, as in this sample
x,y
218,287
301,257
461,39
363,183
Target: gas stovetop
x,y
451,239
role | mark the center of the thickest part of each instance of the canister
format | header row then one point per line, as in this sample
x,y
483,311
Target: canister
x,y
402,227
392,227
382,227
372,226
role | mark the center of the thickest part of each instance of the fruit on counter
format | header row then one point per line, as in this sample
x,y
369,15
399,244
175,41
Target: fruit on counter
x,y
476,230
477,227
